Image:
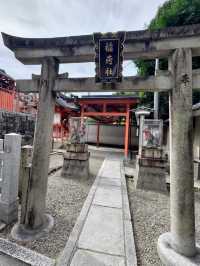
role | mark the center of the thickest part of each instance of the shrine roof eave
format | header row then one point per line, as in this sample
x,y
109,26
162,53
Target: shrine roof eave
x,y
2,73
111,99
149,44
108,97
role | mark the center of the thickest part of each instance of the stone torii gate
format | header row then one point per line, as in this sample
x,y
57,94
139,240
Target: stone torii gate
x,y
179,45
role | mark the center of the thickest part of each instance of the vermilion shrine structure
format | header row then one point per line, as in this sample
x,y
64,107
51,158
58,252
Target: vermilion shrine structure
x,y
7,91
107,110
103,109
178,45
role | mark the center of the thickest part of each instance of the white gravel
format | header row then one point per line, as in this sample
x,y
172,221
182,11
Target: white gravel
x,y
65,198
150,212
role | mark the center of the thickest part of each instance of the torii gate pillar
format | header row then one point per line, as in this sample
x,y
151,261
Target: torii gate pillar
x,y
178,247
36,222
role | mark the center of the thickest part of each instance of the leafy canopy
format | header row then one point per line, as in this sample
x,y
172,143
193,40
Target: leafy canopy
x,y
171,13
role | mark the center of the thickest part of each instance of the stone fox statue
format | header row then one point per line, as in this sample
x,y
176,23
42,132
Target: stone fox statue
x,y
150,138
77,130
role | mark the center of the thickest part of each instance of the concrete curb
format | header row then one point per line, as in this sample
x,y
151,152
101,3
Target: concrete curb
x,y
24,255
105,149
130,250
70,248
57,167
54,169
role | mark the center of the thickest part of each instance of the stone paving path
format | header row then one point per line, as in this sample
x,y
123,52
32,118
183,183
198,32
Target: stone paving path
x,y
104,236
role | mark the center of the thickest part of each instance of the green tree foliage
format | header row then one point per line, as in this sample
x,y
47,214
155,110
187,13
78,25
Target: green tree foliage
x,y
176,13
171,13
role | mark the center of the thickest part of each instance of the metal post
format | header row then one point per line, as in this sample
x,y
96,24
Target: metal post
x,y
156,94
140,134
127,132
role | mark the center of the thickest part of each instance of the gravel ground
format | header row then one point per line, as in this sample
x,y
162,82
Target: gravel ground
x,y
65,198
150,216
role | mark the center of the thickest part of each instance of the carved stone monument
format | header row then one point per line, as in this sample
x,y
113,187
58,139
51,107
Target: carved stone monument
x,y
76,157
150,164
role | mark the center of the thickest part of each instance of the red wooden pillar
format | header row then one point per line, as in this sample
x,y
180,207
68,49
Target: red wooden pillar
x,y
127,123
104,108
82,110
62,135
12,101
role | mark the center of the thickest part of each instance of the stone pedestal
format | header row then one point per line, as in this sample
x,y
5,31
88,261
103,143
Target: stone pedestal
x,y
9,212
170,257
76,161
150,170
9,172
21,232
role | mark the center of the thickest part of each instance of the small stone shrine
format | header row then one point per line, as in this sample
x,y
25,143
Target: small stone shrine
x,y
150,164
76,157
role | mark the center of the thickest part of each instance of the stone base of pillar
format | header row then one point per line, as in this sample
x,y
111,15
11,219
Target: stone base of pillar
x,y
8,212
150,178
170,257
21,233
150,170
76,161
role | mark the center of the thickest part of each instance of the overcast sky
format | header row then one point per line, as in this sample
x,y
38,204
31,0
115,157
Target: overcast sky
x,y
54,18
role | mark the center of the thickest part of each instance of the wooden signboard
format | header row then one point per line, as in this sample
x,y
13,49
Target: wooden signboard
x,y
109,56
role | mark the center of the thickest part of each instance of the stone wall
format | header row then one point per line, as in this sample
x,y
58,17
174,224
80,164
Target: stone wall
x,y
11,122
